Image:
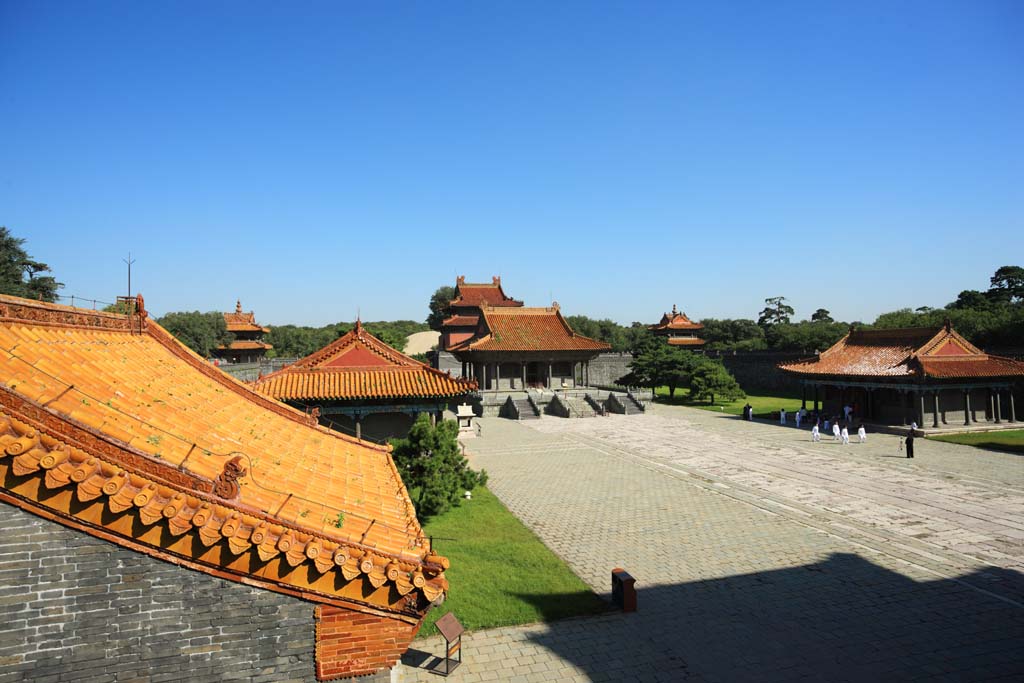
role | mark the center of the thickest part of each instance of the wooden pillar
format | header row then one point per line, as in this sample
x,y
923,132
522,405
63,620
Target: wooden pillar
x,y
497,376
967,407
999,407
549,374
803,397
906,410
359,426
586,373
433,418
991,405
522,368
1013,410
817,409
935,401
920,419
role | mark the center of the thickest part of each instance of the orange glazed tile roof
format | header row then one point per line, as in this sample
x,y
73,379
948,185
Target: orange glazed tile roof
x,y
243,322
471,294
685,341
232,482
907,353
247,345
358,366
677,320
529,329
461,321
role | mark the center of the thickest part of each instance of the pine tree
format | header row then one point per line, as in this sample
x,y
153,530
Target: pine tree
x,y
433,467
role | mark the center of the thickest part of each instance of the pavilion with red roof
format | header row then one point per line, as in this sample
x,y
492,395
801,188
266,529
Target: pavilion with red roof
x,y
933,377
248,345
365,386
678,329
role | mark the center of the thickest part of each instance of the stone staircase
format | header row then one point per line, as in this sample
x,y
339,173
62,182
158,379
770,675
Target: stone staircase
x,y
564,406
519,409
623,404
525,409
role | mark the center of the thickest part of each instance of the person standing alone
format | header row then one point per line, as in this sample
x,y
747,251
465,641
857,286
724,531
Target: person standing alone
x,y
910,444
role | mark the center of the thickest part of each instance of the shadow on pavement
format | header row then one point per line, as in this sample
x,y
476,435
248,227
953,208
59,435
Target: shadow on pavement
x,y
843,619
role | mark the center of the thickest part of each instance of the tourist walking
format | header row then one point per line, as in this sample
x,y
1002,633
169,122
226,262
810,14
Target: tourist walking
x,y
846,436
782,416
910,444
815,435
798,416
862,434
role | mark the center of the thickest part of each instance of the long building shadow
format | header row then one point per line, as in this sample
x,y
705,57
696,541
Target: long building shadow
x,y
843,619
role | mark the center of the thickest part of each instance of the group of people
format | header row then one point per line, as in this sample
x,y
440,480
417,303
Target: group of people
x,y
838,426
840,430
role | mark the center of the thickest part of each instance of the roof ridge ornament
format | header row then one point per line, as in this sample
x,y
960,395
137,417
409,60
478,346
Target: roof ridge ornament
x,y
238,305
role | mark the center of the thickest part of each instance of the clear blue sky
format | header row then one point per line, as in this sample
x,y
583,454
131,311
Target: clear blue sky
x,y
318,158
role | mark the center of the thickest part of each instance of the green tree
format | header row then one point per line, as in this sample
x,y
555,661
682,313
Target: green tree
x,y
1007,284
432,466
201,332
439,302
661,365
970,298
804,336
710,379
732,334
822,315
775,312
22,276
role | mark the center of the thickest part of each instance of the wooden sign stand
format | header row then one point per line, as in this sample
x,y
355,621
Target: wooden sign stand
x,y
451,630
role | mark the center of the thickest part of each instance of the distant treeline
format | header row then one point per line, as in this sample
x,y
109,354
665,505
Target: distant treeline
x,y
990,318
296,341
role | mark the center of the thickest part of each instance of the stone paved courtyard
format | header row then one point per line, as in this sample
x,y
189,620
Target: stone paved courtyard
x,y
759,555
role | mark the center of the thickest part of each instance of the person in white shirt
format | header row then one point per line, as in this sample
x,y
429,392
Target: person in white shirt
x,y
798,416
815,436
782,416
862,434
846,436
835,431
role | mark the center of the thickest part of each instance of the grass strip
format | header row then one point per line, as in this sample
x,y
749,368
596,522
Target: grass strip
x,y
501,574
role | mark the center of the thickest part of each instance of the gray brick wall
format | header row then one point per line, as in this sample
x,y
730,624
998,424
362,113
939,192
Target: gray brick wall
x,y
75,608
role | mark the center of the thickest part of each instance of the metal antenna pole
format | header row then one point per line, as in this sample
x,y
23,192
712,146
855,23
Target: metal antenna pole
x,y
129,261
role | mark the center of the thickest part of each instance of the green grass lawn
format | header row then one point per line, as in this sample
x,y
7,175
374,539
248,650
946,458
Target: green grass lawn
x,y
1010,440
764,404
501,574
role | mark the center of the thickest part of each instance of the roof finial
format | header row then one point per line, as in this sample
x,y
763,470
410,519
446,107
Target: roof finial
x,y
674,309
238,305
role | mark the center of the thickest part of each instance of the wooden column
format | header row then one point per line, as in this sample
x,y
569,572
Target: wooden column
x,y
906,410
817,409
359,426
992,405
935,417
497,376
522,367
920,421
967,407
999,407
803,397
549,374
1013,410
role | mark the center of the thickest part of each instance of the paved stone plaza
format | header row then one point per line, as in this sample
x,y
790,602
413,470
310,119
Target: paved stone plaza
x,y
758,554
